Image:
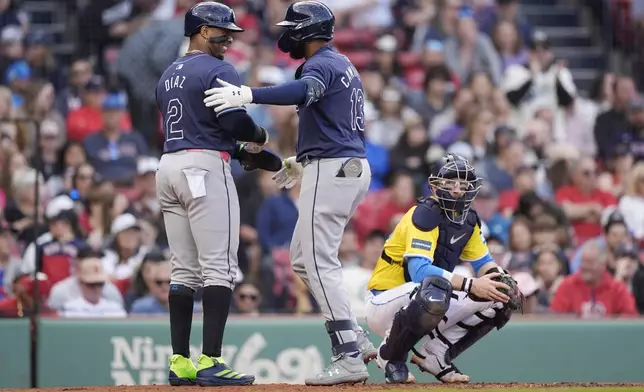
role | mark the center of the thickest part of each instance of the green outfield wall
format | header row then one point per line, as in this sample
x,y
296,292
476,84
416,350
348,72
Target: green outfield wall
x,y
125,352
14,353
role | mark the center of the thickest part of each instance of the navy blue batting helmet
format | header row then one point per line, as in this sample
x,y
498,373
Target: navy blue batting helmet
x,y
305,21
455,185
210,14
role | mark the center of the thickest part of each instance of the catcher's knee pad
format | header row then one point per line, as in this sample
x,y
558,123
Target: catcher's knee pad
x,y
477,332
433,296
426,309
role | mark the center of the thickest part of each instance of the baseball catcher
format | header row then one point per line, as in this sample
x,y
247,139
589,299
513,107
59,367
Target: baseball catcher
x,y
414,293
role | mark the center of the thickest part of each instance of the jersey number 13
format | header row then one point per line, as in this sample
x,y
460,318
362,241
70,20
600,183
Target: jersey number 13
x,y
357,110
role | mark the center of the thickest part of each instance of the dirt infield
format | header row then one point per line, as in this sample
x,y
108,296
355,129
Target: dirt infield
x,y
435,387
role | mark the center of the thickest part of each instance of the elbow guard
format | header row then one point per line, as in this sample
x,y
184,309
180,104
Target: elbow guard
x,y
314,90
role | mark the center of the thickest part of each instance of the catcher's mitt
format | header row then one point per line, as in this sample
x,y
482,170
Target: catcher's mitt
x,y
516,297
265,159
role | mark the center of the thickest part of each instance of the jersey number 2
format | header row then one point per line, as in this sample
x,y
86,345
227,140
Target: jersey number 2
x,y
173,117
357,109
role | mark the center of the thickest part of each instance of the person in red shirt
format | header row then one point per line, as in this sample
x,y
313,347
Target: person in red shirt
x,y
524,181
583,202
21,303
592,292
382,210
88,119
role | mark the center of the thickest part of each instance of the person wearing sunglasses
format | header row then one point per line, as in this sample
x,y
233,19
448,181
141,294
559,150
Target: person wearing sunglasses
x,y
247,299
92,279
582,202
156,301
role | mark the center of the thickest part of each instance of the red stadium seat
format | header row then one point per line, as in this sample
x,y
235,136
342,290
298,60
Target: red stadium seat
x,y
344,39
360,58
56,267
365,217
123,285
415,77
348,39
408,59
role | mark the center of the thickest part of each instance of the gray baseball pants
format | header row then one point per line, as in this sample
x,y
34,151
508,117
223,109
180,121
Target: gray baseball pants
x,y
201,213
326,204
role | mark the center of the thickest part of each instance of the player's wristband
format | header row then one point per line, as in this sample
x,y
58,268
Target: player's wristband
x,y
466,285
265,136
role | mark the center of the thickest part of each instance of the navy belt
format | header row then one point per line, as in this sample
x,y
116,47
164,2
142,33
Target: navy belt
x,y
307,160
376,292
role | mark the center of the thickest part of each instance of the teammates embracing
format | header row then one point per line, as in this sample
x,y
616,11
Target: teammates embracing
x,y
413,291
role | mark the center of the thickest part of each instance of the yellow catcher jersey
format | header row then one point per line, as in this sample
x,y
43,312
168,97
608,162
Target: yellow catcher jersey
x,y
443,246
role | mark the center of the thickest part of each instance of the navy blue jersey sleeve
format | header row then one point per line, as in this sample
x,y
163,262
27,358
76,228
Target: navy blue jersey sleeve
x,y
321,74
225,72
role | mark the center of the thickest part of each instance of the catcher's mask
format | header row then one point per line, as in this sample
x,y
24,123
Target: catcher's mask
x,y
455,185
305,21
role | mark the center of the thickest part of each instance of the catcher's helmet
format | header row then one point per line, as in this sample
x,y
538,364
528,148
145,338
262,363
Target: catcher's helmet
x,y
305,21
211,14
455,185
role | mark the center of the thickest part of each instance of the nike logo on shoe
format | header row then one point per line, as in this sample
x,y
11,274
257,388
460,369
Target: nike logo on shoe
x,y
453,240
440,365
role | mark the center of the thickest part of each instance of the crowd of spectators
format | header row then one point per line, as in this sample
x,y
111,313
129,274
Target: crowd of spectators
x,y
562,205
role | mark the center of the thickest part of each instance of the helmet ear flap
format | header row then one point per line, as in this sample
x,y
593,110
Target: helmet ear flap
x,y
285,42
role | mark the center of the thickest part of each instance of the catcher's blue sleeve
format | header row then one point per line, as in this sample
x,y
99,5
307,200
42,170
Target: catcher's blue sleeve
x,y
420,267
477,264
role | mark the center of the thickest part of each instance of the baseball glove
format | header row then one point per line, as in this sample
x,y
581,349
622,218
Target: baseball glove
x,y
516,297
264,160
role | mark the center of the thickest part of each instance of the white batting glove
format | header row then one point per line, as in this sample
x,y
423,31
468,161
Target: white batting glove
x,y
227,96
289,175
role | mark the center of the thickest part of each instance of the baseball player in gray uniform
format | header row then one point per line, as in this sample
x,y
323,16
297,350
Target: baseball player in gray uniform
x,y
197,193
331,163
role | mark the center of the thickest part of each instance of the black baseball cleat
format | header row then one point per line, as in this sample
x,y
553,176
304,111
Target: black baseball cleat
x,y
396,373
